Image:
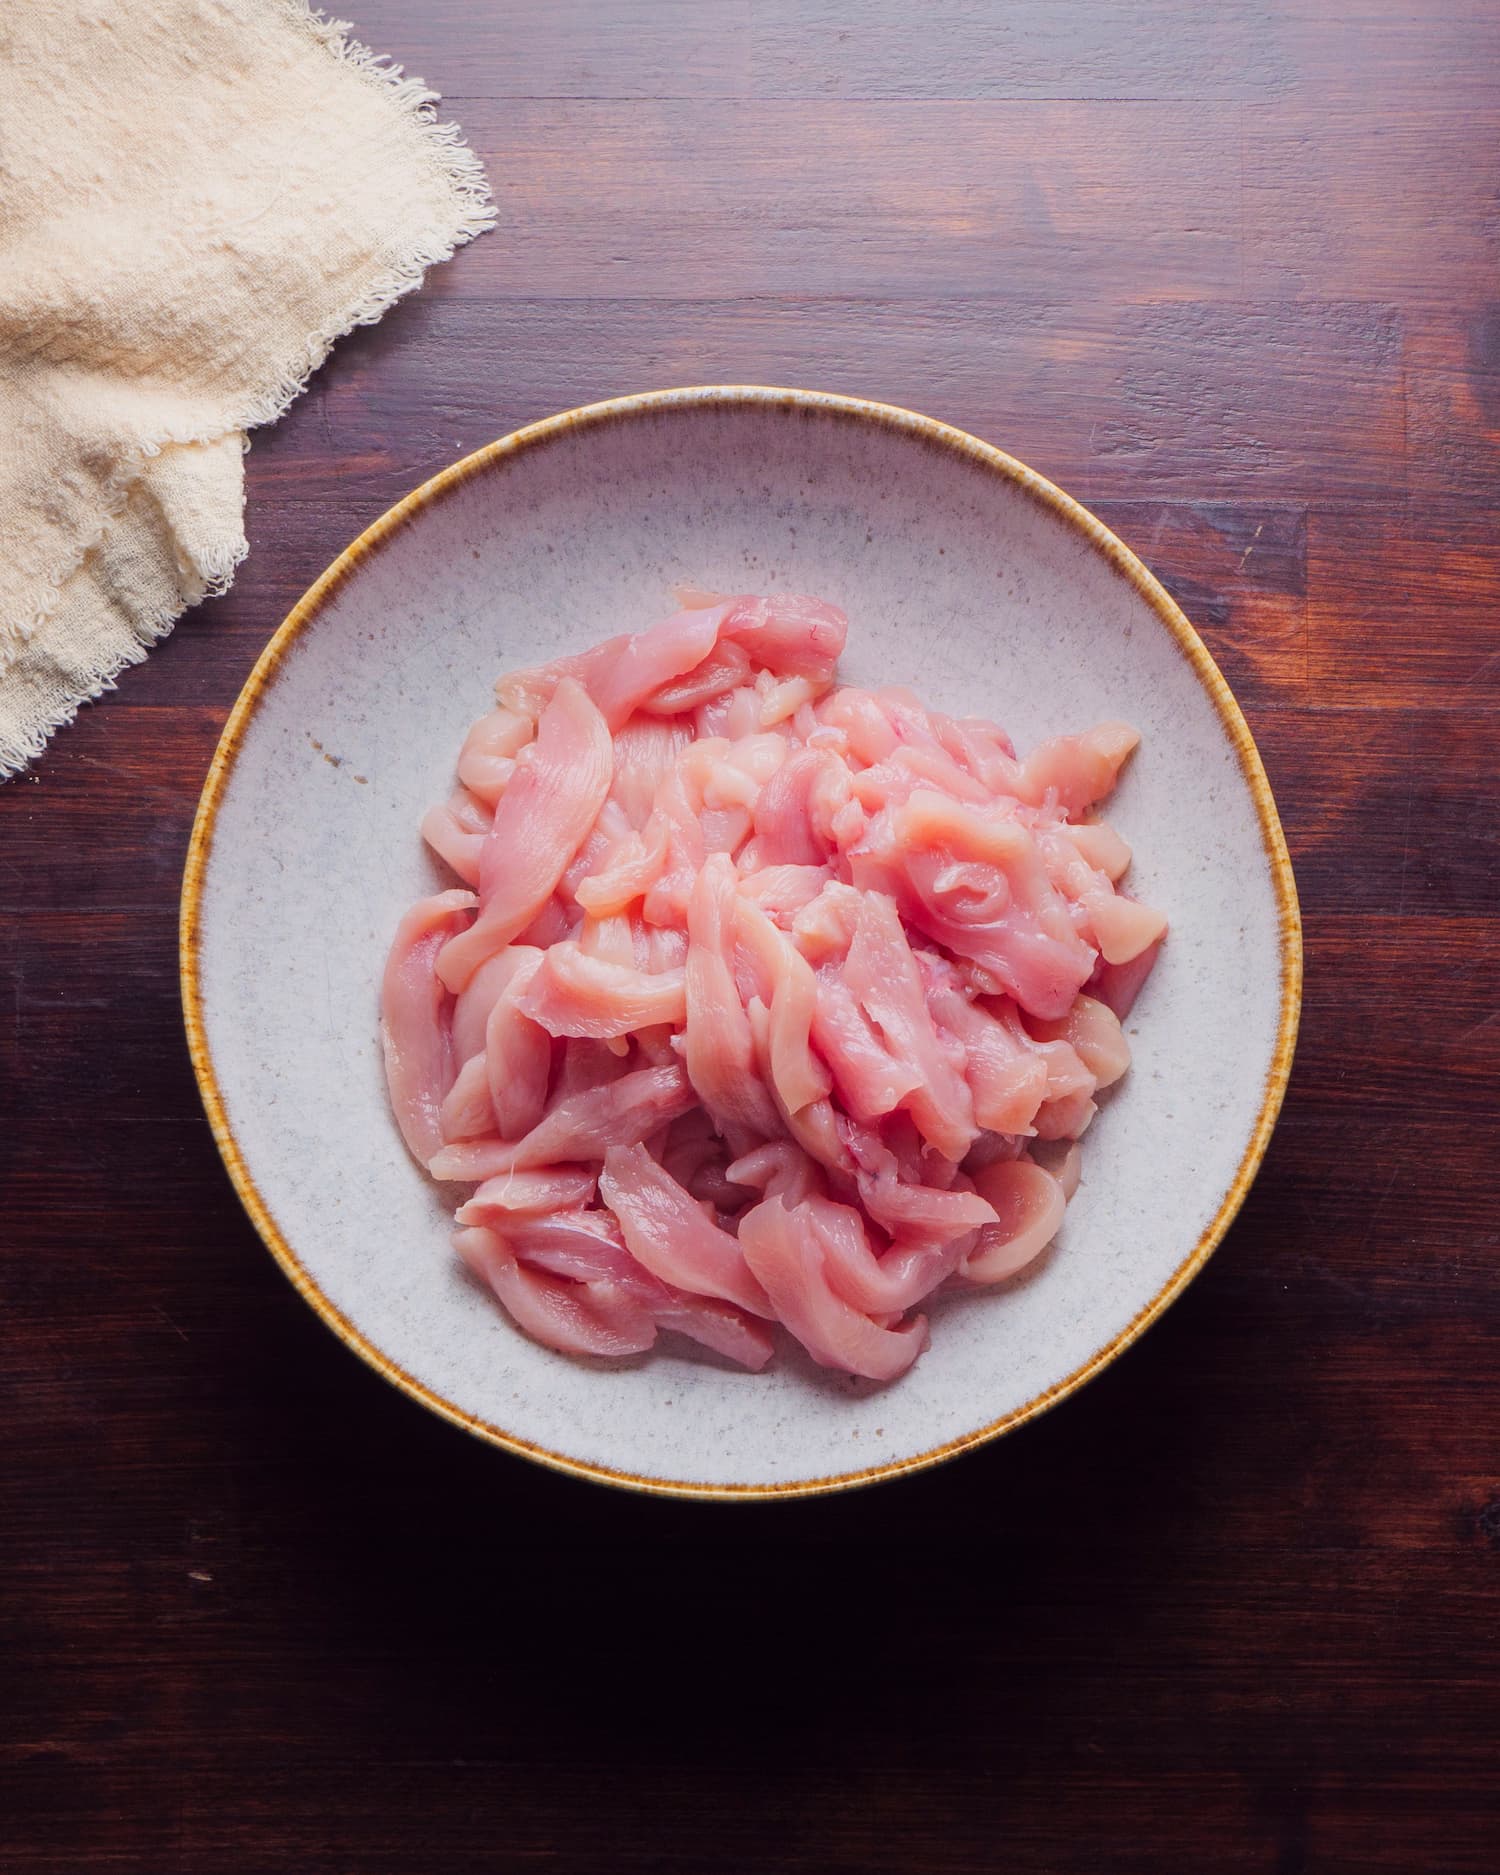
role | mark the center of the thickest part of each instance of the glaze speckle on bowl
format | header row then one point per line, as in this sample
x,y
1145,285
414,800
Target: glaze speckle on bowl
x,y
965,576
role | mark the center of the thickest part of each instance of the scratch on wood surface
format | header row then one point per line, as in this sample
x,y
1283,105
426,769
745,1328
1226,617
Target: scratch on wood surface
x,y
1411,790
1380,1203
1324,1272
1481,671
1474,1028
323,423
176,1327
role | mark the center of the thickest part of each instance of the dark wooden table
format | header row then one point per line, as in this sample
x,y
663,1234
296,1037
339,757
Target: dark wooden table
x,y
1230,274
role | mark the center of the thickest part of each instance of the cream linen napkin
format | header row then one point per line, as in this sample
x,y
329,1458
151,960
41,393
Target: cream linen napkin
x,y
196,198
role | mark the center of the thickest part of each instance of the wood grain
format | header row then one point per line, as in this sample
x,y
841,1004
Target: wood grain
x,y
727,197
1199,402
1229,275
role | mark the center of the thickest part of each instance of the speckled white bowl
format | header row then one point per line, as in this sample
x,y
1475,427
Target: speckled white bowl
x,y
963,574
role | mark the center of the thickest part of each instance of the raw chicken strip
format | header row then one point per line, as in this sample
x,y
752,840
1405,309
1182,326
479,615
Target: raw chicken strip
x,y
529,1194
487,760
726,667
582,1127
1017,928
1008,1081
621,674
468,1111
789,633
646,752
1118,985
910,1211
787,1256
416,1019
883,975
585,1246
879,1285
1092,1030
539,825
670,1234
575,994
784,829
456,831
517,1051
471,1010
790,990
1076,771
716,1042
1028,1204
869,1079
598,1317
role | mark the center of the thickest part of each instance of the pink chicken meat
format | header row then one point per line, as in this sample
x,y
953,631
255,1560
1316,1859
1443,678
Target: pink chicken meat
x,y
764,992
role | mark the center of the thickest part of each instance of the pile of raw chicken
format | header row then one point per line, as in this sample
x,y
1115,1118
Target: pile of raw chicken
x,y
765,1000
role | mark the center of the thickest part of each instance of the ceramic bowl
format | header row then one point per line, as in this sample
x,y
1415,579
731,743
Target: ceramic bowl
x,y
964,575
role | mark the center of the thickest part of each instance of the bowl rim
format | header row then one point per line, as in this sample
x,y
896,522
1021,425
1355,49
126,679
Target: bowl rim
x,y
861,411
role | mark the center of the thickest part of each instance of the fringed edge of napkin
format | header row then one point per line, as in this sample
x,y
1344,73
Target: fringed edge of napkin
x,y
454,160
59,690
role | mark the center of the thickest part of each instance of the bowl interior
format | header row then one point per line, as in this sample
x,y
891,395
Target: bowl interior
x,y
958,581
